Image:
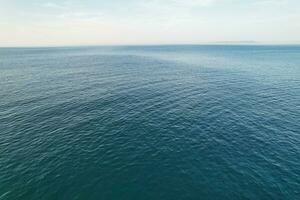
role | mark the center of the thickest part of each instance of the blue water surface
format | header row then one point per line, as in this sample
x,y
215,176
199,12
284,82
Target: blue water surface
x,y
150,122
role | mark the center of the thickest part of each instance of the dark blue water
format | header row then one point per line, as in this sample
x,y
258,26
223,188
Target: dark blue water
x,y
150,122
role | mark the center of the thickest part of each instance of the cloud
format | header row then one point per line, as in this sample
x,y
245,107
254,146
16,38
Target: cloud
x,y
176,8
271,2
52,5
179,3
82,16
193,2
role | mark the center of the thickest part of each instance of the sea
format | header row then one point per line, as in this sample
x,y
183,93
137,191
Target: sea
x,y
155,122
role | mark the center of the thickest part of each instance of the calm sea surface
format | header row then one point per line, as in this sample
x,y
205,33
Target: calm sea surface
x,y
150,122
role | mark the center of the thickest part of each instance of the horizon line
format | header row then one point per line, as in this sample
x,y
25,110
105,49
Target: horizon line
x,y
225,43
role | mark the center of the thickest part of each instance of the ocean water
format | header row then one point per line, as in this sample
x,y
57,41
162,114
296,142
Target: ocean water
x,y
150,122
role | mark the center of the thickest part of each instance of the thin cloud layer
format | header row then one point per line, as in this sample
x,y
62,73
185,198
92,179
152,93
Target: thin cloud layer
x,y
68,22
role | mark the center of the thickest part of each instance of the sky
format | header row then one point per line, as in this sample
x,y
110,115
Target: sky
x,y
137,22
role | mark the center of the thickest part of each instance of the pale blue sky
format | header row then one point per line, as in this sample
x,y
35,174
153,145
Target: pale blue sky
x,y
104,22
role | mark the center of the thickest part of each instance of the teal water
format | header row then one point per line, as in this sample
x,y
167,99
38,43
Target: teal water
x,y
150,122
